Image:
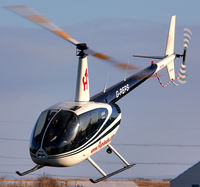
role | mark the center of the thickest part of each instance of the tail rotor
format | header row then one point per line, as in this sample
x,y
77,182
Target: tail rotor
x,y
182,71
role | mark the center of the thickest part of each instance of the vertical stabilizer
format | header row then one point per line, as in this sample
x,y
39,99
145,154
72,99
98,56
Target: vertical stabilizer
x,y
170,47
82,84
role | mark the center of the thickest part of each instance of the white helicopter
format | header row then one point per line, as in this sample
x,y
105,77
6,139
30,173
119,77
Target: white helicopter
x,y
70,132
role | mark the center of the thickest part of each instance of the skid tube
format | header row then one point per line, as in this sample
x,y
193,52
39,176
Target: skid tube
x,y
29,171
105,176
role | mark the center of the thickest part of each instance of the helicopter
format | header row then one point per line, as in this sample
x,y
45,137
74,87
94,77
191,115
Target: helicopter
x,y
68,133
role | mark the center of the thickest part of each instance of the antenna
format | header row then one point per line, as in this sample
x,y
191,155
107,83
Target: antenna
x,y
107,78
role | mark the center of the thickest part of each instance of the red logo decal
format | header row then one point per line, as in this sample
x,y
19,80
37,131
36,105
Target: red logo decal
x,y
85,80
105,142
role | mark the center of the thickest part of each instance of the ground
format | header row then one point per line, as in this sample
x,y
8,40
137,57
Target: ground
x,y
52,182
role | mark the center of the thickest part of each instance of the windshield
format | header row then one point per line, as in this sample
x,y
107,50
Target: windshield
x,y
40,126
61,133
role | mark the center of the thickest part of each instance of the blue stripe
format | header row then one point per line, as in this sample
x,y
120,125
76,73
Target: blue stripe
x,y
85,147
107,124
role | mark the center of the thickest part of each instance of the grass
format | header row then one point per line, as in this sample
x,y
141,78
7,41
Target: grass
x,y
148,183
45,181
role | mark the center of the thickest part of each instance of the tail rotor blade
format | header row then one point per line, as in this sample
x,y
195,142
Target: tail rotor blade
x,y
182,72
187,37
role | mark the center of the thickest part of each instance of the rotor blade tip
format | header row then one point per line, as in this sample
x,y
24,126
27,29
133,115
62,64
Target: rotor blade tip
x,y
16,6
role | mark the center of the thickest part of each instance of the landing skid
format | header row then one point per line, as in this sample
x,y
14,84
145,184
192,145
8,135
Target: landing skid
x,y
112,174
29,171
105,176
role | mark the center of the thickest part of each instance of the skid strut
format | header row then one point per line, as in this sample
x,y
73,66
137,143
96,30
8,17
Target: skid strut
x,y
29,171
105,176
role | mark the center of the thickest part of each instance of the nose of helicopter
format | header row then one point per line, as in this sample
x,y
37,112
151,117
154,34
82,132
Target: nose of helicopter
x,y
56,135
41,158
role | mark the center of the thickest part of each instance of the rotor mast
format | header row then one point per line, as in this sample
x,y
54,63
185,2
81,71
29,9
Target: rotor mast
x,y
82,84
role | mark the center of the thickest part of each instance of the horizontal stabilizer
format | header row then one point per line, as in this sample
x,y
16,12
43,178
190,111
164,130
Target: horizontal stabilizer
x,y
149,56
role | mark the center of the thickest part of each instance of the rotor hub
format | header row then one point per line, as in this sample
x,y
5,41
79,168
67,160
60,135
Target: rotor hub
x,y
80,50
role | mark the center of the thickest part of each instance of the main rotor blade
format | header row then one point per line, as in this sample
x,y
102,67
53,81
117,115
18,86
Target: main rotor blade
x,y
106,58
32,15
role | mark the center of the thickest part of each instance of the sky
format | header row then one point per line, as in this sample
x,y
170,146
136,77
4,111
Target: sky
x,y
160,126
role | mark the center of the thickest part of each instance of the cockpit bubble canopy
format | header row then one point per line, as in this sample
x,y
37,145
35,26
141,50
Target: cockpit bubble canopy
x,y
58,131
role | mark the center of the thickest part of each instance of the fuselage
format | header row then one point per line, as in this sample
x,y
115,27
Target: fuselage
x,y
70,132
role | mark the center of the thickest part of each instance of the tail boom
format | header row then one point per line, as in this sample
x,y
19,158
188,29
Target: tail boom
x,y
165,62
